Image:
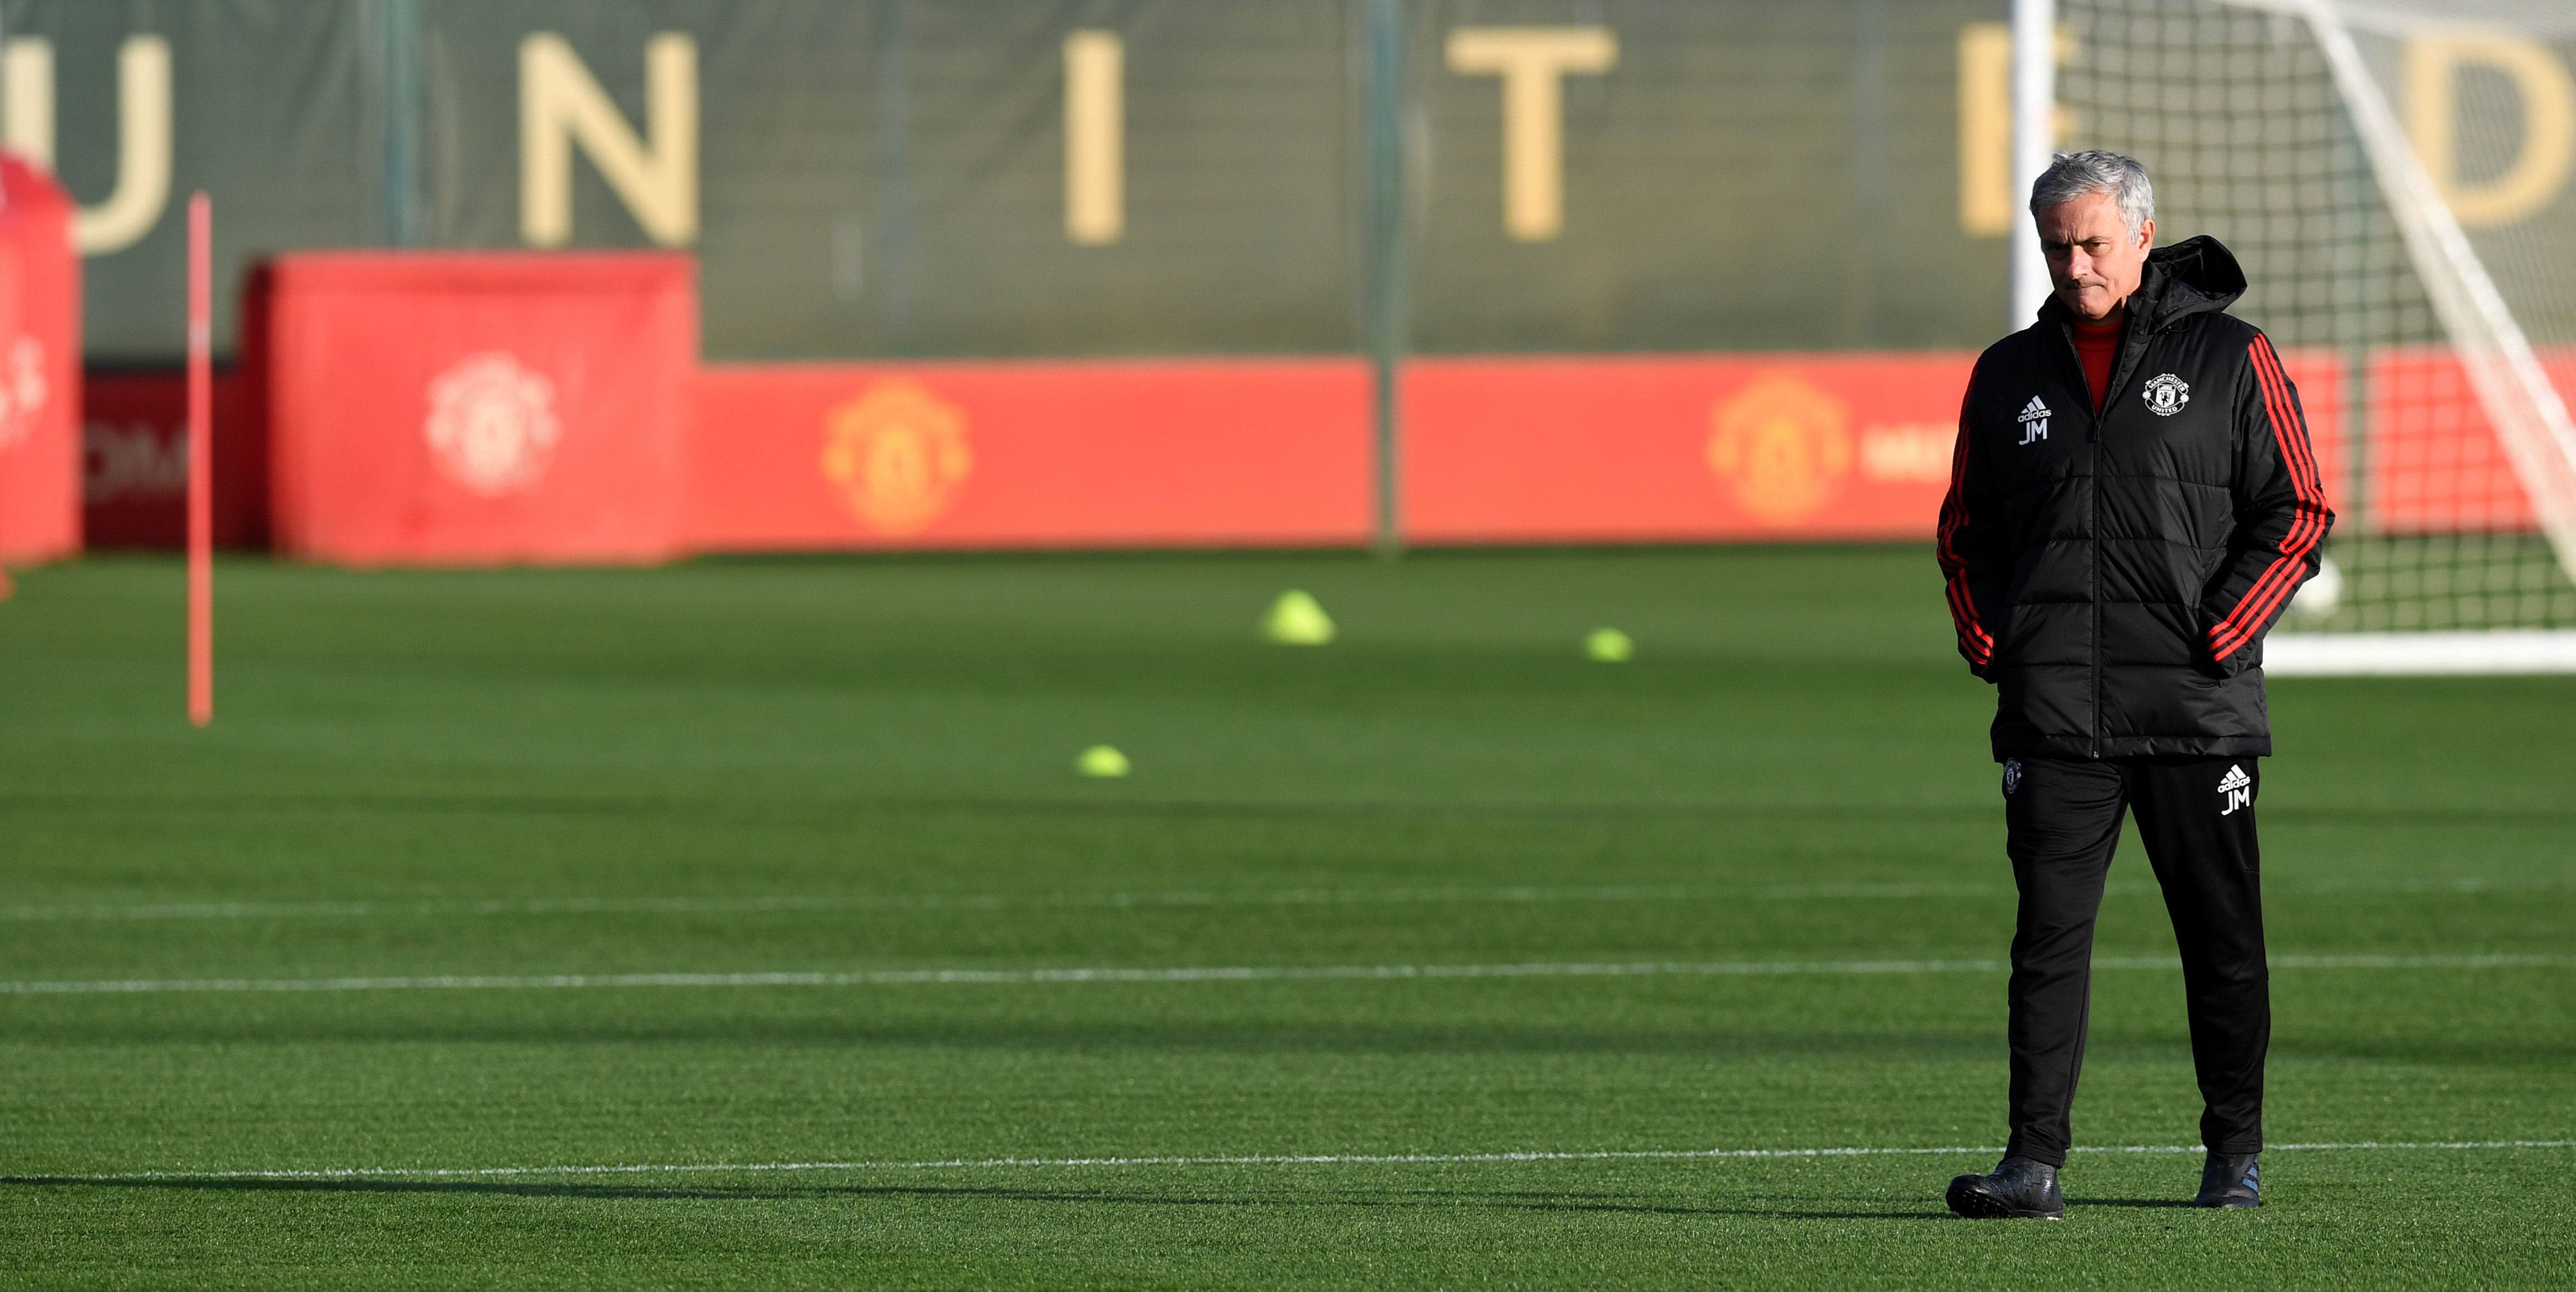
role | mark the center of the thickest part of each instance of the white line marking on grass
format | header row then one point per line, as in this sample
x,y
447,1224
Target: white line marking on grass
x,y
1186,974
1531,894
1247,1159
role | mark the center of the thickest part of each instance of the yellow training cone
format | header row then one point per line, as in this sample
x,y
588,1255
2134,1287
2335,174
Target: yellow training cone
x,y
1295,620
1609,645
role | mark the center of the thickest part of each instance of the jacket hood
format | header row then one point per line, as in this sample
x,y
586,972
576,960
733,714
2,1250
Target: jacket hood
x,y
2197,275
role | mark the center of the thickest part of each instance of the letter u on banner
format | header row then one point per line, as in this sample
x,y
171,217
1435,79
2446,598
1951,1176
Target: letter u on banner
x,y
142,134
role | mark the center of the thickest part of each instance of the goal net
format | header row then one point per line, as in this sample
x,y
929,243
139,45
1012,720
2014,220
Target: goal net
x,y
2396,177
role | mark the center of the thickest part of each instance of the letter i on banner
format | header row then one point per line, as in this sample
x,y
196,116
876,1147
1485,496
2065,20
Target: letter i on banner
x,y
201,465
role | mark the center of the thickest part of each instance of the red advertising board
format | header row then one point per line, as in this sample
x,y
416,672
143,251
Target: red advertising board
x,y
2436,466
134,461
458,408
1688,448
492,408
40,516
1700,448
1032,454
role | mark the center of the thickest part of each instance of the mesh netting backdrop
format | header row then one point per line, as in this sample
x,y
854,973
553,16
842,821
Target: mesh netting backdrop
x,y
887,177
2236,113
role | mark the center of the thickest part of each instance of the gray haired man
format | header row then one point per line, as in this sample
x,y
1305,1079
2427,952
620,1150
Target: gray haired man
x,y
2132,503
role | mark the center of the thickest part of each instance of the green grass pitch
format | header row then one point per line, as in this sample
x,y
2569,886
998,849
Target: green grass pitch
x,y
853,767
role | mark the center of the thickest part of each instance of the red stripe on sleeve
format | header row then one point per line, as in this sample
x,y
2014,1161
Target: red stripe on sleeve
x,y
2279,578
1974,641
2282,572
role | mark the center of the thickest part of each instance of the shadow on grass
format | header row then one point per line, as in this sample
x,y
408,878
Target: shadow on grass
x,y
822,1030
1088,804
809,807
1112,1038
1420,1199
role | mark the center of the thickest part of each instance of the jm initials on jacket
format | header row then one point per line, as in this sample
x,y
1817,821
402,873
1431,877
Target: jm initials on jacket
x,y
2114,575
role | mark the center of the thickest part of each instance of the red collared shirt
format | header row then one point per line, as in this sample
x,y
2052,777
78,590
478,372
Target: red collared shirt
x,y
2095,344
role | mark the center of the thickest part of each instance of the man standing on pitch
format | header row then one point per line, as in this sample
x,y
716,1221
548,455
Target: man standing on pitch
x,y
2132,502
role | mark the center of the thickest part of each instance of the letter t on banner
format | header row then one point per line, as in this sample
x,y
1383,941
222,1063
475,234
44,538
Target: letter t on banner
x,y
1533,62
201,464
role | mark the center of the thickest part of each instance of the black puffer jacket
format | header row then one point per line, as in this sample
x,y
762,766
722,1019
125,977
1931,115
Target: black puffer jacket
x,y
2114,576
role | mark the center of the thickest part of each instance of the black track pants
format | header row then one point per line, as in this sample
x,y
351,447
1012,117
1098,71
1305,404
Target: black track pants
x,y
2196,815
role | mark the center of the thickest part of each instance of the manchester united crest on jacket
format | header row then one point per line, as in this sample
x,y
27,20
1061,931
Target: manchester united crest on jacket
x,y
2114,579
2166,394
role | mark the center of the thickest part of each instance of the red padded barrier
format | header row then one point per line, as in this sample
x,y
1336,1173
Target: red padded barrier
x,y
40,509
1033,454
447,408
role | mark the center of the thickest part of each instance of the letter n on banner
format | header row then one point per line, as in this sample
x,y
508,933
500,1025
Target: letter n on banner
x,y
561,104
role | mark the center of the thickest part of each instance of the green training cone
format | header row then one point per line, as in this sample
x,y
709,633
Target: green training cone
x,y
1295,620
1101,760
1609,645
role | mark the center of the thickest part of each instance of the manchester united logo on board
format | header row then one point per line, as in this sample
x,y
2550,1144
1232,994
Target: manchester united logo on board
x,y
23,390
2166,394
1781,444
897,455
491,425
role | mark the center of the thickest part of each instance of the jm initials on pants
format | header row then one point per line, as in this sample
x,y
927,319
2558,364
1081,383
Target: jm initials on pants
x,y
2196,816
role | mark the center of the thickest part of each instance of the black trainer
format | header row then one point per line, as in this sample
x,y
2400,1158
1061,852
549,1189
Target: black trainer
x,y
2231,1180
2019,1187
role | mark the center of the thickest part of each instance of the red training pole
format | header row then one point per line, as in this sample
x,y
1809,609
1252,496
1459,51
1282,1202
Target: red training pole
x,y
201,464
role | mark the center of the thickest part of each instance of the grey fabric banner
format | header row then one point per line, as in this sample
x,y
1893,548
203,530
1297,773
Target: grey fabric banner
x,y
1057,177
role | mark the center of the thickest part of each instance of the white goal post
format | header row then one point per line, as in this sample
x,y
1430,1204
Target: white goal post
x,y
2372,224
